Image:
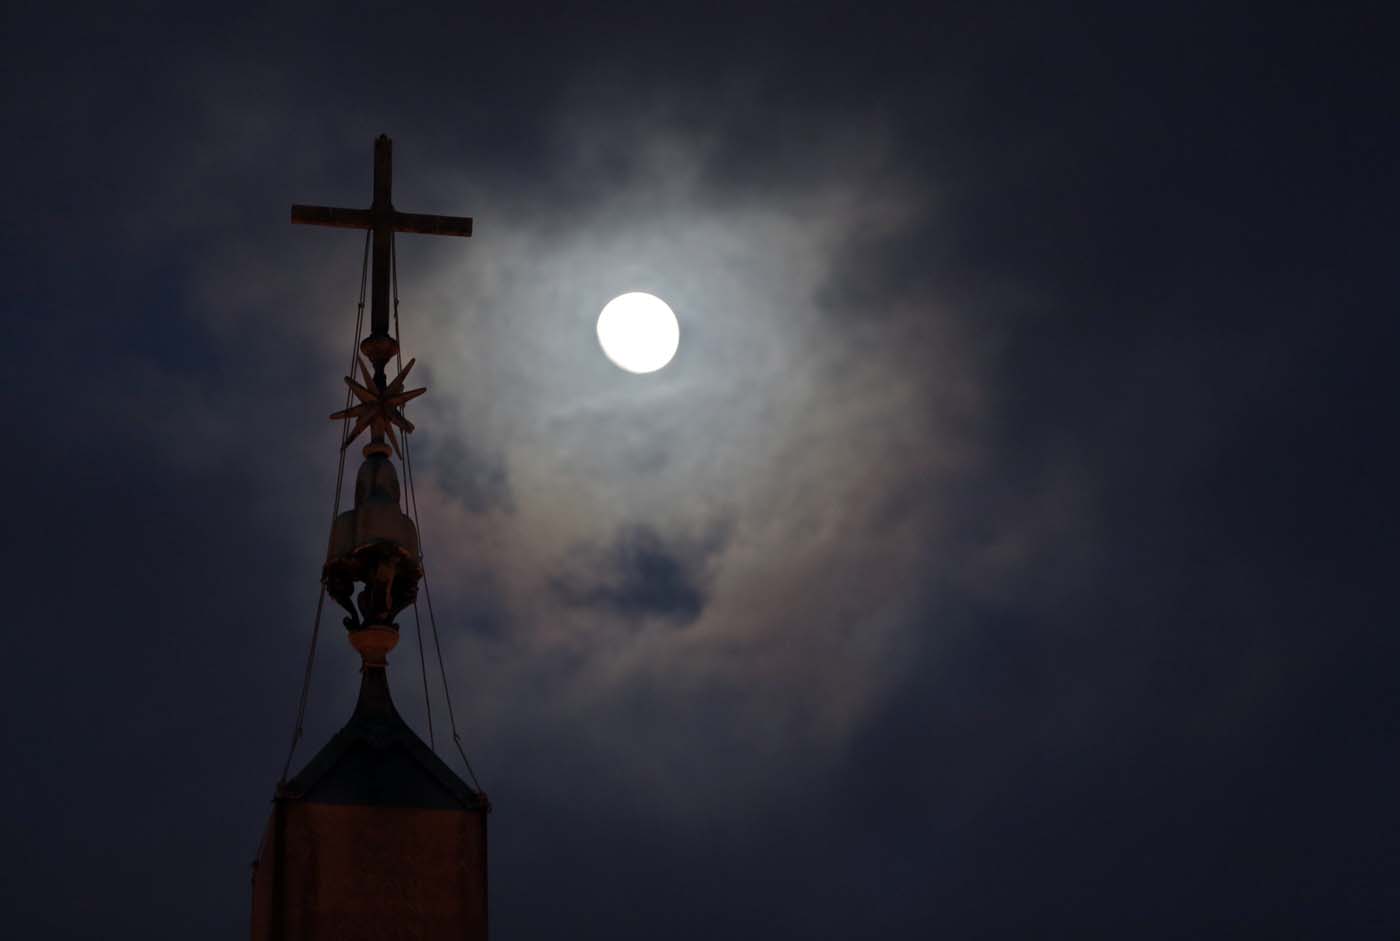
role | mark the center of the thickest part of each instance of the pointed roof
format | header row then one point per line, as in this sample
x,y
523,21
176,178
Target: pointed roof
x,y
376,760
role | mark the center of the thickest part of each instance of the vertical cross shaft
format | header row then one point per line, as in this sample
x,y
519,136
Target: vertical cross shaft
x,y
383,221
382,212
379,346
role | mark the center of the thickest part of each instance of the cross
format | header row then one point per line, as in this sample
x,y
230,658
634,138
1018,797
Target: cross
x,y
383,220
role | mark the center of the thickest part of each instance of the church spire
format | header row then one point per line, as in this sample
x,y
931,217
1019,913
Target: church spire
x,y
376,837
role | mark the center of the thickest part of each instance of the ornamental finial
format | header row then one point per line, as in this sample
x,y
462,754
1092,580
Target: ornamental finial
x,y
379,409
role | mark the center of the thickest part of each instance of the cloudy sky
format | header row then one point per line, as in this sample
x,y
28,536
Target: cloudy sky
x,y
1003,555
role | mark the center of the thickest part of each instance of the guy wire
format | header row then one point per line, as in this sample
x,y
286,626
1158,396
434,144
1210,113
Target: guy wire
x,y
335,509
427,593
417,621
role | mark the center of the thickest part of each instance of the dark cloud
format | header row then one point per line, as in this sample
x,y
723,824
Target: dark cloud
x,y
638,575
477,481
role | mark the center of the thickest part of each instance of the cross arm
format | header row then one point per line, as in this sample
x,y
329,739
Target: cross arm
x,y
422,224
415,222
338,218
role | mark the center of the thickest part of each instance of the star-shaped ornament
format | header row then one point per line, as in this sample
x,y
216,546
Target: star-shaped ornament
x,y
379,410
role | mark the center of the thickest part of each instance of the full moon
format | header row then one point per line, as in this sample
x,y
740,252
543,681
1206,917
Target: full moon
x,y
638,332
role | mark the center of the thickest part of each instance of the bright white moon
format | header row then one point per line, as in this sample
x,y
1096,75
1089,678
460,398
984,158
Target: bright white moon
x,y
639,332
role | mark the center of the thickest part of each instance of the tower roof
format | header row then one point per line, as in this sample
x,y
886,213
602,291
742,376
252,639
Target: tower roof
x,y
376,760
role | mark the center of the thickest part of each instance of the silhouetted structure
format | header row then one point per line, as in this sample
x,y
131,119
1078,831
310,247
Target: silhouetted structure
x,y
376,838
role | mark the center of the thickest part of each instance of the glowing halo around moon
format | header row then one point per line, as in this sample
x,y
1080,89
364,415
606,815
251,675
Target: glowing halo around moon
x,y
639,332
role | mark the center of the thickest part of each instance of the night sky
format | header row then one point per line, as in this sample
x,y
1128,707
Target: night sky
x,y
1007,553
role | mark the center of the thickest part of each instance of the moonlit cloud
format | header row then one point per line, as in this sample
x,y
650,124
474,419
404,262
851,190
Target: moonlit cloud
x,y
817,436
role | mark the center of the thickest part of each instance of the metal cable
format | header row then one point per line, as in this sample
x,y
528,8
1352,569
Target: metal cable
x,y
417,621
427,594
432,619
335,509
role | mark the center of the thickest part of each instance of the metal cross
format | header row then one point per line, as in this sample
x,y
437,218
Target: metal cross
x,y
383,220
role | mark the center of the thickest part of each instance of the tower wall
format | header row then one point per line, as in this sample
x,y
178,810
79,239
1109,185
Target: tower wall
x,y
370,873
